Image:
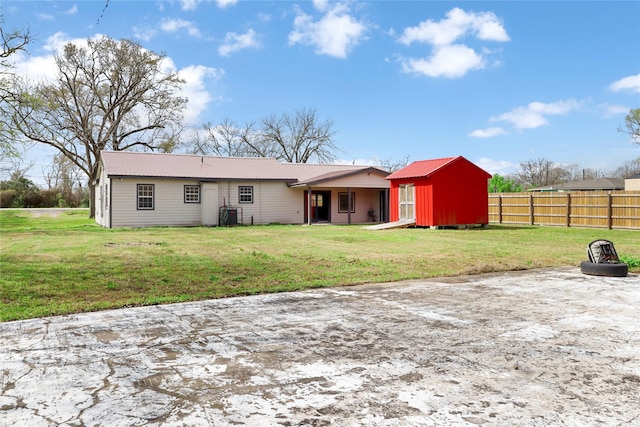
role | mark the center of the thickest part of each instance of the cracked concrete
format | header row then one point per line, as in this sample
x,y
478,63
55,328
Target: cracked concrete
x,y
542,347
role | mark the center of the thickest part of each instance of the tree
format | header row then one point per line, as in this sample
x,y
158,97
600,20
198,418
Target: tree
x,y
628,169
632,125
393,165
292,138
541,173
226,139
12,43
296,138
109,95
500,184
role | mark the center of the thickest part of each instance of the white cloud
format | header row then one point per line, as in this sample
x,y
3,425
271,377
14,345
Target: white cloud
x,y
196,91
457,24
496,166
72,11
234,42
609,110
45,17
335,34
488,132
144,34
224,3
446,61
630,83
174,25
534,114
190,4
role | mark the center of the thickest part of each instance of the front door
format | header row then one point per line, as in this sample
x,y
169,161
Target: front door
x,y
406,197
320,206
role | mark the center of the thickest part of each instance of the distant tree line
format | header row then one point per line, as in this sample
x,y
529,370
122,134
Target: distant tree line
x,y
543,173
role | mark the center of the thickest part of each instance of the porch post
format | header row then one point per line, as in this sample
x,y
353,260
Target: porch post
x,y
349,205
309,206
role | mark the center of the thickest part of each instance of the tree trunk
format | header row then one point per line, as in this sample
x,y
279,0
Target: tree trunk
x,y
92,199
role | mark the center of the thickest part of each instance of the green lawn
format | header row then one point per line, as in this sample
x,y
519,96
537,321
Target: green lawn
x,y
68,264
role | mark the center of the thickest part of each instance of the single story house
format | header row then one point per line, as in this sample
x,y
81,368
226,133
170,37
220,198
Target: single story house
x,y
137,189
599,184
443,192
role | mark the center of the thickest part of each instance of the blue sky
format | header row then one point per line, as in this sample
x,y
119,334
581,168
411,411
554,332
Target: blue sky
x,y
496,82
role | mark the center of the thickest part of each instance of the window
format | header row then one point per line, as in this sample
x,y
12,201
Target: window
x,y
145,196
343,202
245,194
192,194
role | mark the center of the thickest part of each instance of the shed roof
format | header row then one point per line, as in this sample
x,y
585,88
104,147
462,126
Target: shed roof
x,y
425,168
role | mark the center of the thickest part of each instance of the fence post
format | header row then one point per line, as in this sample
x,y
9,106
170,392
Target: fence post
x,y
609,211
499,208
531,221
568,209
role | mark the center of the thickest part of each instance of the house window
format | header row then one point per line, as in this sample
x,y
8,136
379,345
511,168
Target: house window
x,y
343,202
192,194
145,196
245,194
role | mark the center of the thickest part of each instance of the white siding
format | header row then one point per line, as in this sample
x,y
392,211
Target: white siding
x,y
169,206
101,201
632,184
273,202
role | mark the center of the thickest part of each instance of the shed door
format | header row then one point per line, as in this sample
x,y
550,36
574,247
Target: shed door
x,y
406,197
209,204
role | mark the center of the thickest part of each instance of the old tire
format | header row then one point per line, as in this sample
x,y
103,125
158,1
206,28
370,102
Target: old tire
x,y
604,269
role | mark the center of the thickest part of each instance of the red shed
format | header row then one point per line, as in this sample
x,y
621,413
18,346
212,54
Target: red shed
x,y
440,192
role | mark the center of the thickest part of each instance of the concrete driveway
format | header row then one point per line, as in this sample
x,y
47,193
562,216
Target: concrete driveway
x,y
542,347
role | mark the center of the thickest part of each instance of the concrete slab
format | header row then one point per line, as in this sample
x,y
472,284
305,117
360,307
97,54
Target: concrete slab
x,y
543,347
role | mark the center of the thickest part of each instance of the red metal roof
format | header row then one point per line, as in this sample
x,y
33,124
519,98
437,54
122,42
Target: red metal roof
x,y
422,168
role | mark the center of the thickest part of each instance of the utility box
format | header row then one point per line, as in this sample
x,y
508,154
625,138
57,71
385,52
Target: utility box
x,y
228,216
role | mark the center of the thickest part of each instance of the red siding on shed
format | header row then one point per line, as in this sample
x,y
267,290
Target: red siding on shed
x,y
454,193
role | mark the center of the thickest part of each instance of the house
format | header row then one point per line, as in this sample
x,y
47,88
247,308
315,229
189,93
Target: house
x,y
632,183
136,189
450,191
600,184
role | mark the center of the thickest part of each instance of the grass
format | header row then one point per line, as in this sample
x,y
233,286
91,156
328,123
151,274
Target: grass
x,y
68,264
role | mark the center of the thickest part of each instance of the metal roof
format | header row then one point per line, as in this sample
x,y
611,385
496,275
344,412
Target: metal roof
x,y
161,165
191,166
421,168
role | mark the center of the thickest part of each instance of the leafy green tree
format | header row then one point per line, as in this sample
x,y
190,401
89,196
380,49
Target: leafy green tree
x,y
632,125
19,191
500,184
109,95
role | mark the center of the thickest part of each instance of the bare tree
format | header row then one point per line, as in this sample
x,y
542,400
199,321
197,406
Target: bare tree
x,y
541,173
632,125
293,138
628,169
226,139
297,138
12,43
391,165
110,95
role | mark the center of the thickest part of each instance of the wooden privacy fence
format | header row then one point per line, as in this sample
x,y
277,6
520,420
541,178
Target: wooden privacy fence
x,y
615,209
